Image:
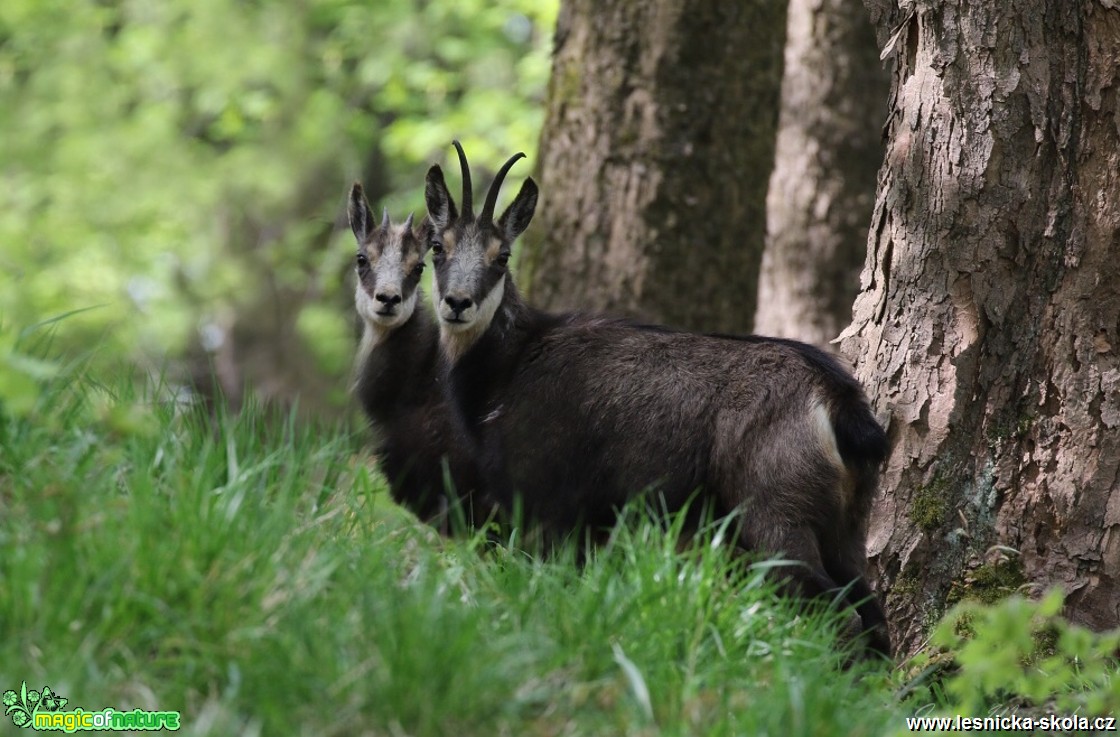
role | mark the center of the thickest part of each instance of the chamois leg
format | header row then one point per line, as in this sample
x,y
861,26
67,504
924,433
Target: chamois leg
x,y
806,577
847,571
872,615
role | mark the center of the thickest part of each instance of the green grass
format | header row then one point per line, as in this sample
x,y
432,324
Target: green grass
x,y
250,572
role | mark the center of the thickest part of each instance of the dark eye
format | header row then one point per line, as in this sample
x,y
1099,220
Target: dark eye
x,y
418,269
363,261
437,247
503,258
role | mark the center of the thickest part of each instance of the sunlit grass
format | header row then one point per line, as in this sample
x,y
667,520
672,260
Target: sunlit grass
x,y
250,572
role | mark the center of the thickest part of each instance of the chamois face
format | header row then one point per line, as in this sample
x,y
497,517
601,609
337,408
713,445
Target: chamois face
x,y
389,262
471,254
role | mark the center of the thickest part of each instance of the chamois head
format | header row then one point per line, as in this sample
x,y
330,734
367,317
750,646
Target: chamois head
x,y
389,263
471,254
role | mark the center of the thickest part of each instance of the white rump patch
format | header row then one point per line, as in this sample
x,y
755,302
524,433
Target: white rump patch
x,y
821,423
822,427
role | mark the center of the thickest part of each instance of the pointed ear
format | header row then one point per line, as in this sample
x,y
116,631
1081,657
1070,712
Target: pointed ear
x,y
423,233
441,208
361,219
516,218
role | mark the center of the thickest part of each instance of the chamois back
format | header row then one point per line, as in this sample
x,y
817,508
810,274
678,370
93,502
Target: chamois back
x,y
572,415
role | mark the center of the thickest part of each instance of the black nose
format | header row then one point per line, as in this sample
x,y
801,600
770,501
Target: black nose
x,y
388,299
458,304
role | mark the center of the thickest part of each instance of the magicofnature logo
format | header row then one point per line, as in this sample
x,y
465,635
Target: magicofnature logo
x,y
45,711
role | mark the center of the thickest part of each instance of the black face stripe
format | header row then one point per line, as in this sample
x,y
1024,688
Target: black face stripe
x,y
449,241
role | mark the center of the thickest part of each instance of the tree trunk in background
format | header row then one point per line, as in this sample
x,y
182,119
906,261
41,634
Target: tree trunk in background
x,y
834,100
655,156
989,319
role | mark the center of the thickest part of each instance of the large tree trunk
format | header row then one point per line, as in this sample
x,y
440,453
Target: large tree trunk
x,y
655,156
989,320
834,101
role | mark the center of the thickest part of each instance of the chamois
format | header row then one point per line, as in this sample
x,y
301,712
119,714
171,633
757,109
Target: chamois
x,y
573,414
397,371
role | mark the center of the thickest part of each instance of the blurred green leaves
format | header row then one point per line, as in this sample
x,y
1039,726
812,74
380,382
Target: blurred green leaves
x,y
1024,650
184,162
21,375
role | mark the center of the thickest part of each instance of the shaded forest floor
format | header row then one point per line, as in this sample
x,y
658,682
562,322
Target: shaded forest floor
x,y
251,573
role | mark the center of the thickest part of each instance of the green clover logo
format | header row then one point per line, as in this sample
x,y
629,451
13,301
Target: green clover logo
x,y
51,701
23,706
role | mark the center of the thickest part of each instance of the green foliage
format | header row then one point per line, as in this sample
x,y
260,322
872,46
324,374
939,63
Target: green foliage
x,y
1021,651
20,374
177,162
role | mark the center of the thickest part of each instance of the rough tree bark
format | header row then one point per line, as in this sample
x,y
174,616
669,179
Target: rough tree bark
x,y
656,151
989,318
834,102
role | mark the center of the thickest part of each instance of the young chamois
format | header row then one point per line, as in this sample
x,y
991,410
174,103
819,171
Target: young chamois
x,y
397,371
573,414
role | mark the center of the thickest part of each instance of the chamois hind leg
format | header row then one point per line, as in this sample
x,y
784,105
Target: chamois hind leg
x,y
805,577
847,570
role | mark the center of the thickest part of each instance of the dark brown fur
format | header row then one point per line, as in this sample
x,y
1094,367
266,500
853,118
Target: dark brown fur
x,y
572,415
398,385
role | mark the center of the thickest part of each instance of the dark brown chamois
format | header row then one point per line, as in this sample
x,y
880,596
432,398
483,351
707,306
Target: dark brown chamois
x,y
397,373
575,414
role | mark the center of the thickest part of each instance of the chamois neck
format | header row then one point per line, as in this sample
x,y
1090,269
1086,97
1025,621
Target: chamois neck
x,y
481,375
374,336
398,366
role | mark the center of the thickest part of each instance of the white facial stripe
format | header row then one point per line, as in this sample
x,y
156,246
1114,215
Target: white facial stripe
x,y
460,276
389,271
489,306
463,279
388,279
406,308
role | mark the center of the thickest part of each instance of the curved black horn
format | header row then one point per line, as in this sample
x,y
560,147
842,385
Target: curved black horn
x,y
468,211
492,193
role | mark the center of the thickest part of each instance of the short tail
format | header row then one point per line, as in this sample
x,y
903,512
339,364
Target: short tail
x,y
859,436
863,447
